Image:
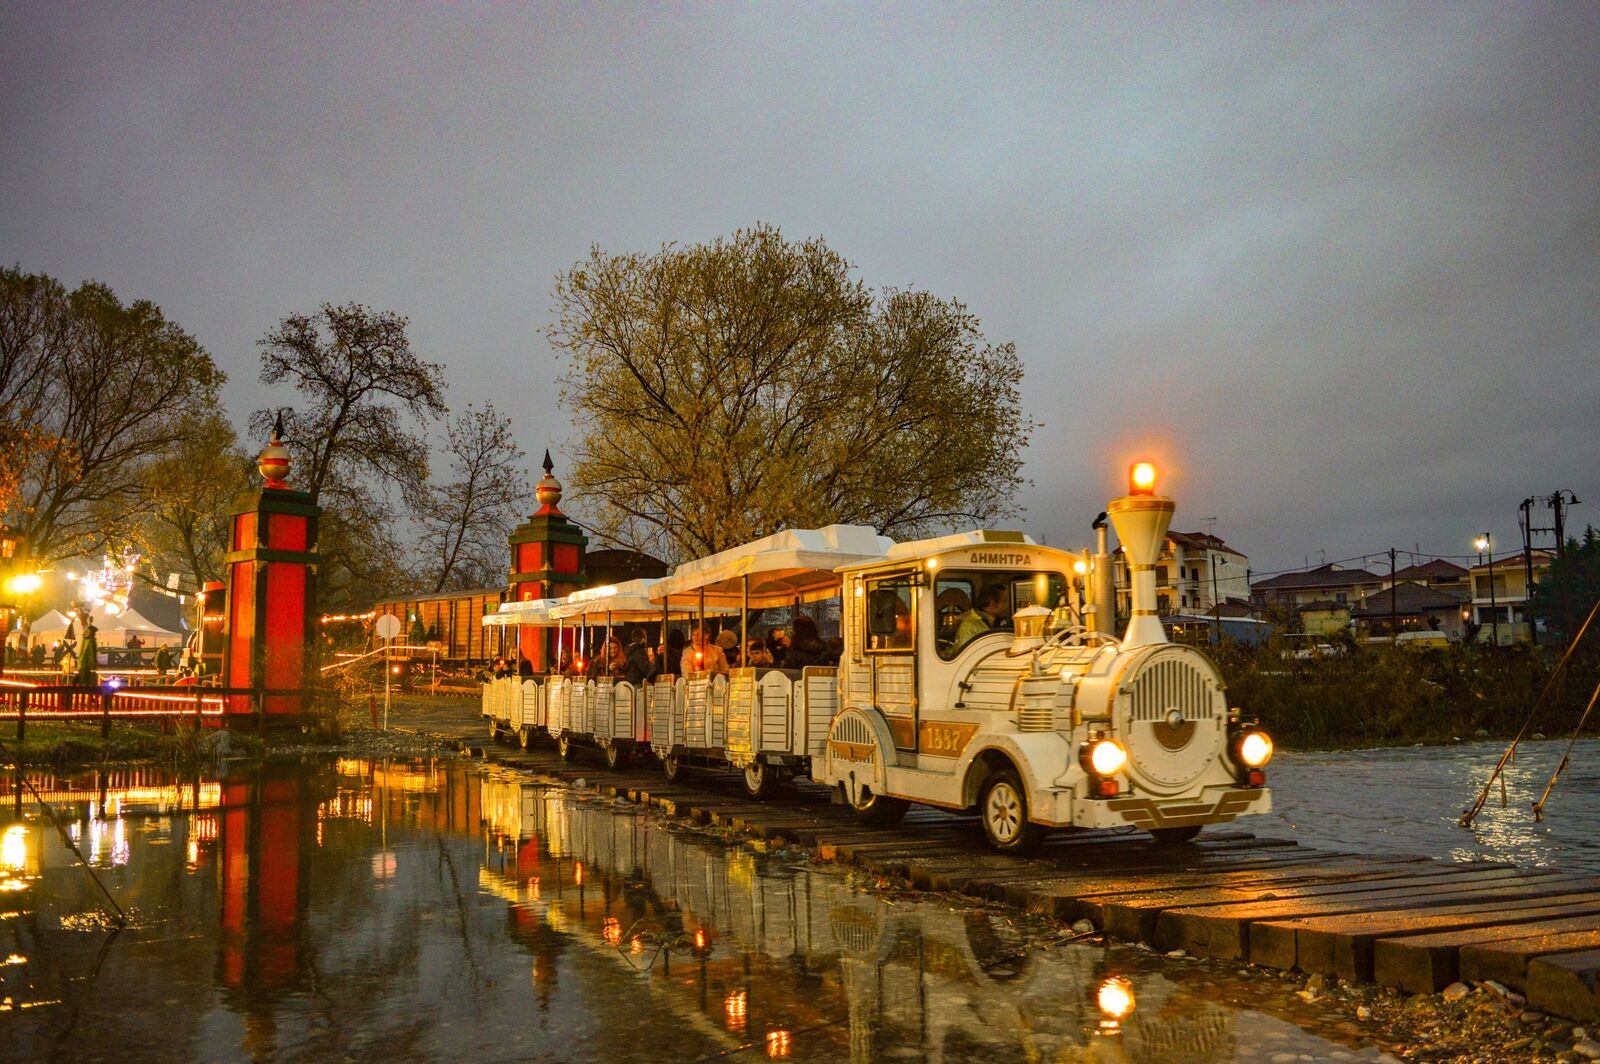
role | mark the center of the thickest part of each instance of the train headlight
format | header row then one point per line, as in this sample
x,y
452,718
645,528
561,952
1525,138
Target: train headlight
x,y
1252,748
1104,757
1142,479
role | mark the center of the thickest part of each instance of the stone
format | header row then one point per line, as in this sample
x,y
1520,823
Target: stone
x,y
1317,983
1177,954
1589,1049
1363,1013
1084,927
1532,1017
1455,991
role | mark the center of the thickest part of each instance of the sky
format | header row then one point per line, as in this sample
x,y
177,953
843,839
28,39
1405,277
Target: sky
x,y
1335,267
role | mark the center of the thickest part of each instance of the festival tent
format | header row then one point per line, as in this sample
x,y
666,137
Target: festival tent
x,y
111,630
48,628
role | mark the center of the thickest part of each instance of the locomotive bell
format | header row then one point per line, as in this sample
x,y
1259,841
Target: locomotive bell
x,y
1141,519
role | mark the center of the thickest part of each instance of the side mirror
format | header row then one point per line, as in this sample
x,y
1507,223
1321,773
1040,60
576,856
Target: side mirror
x,y
882,606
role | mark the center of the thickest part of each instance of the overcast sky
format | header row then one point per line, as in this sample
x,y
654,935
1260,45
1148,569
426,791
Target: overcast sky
x,y
1338,266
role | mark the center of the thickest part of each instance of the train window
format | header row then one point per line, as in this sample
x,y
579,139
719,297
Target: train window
x,y
890,615
973,603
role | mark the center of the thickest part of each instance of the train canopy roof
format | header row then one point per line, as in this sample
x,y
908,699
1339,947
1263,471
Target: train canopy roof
x,y
797,563
527,612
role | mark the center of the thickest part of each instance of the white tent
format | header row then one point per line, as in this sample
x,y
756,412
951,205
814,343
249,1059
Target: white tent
x,y
111,630
48,629
116,629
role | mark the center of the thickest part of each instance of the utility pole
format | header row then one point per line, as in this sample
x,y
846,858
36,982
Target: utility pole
x,y
1526,521
1394,633
1559,501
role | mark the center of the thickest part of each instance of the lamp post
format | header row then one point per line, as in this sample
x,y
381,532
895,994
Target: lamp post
x,y
1485,545
1216,604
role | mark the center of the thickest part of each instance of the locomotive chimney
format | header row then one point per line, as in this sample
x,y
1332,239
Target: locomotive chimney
x,y
1141,518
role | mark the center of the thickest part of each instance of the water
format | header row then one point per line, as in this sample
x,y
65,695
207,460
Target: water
x,y
1408,800
353,910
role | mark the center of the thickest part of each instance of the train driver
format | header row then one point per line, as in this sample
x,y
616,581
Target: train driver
x,y
988,612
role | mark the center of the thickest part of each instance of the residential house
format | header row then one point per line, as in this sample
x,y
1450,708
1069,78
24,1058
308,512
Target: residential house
x,y
1344,587
1409,607
1195,572
1500,595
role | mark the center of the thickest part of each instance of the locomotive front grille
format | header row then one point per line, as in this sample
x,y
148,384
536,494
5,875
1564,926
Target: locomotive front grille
x,y
852,729
1174,683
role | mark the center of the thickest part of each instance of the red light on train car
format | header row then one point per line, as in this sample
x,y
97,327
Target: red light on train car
x,y
1106,788
1142,479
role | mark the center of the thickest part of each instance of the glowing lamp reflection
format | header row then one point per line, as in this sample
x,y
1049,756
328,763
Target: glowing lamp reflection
x,y
1115,998
778,1044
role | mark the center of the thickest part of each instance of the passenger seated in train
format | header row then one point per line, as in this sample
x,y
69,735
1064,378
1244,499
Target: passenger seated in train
x,y
636,663
777,645
703,656
757,656
728,640
806,648
668,654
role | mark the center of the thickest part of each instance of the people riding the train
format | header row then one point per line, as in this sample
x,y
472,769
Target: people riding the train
x,y
703,656
756,655
669,654
636,659
805,646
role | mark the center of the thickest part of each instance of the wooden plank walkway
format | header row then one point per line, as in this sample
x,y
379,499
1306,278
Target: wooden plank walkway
x,y
1407,922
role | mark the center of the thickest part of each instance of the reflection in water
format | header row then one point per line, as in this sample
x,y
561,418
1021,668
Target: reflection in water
x,y
359,910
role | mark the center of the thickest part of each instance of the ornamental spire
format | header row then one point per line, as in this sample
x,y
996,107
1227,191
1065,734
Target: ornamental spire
x,y
273,461
548,490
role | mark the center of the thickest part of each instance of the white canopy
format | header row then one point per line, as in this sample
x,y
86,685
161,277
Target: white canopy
x,y
627,601
528,611
111,629
795,564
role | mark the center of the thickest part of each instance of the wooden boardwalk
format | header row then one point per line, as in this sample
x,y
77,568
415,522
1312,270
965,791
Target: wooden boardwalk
x,y
1405,922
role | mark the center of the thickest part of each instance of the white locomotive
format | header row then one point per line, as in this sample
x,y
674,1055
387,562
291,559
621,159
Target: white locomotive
x,y
973,675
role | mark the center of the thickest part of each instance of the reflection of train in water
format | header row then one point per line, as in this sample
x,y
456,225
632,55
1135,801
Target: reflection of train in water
x,y
753,951
976,672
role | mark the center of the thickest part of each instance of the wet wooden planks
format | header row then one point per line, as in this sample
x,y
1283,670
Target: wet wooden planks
x,y
1406,922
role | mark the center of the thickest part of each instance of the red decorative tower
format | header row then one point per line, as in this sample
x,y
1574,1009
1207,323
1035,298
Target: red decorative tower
x,y
272,590
546,560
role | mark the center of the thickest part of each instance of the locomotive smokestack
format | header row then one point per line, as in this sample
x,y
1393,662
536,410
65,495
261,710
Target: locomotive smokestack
x,y
1141,519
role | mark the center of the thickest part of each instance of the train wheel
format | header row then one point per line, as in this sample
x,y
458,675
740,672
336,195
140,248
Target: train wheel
x,y
760,780
879,810
494,730
524,737
1174,836
1004,808
564,748
672,767
616,756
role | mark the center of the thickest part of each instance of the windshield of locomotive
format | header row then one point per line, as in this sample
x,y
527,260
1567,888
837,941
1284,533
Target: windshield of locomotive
x,y
974,602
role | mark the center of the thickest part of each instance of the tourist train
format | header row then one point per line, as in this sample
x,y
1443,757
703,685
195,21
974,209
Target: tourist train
x,y
976,672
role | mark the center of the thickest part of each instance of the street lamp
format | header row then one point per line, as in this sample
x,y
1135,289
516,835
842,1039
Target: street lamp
x,y
1485,545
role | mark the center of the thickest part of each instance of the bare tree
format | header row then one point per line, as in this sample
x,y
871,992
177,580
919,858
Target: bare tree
x,y
731,389
464,524
358,380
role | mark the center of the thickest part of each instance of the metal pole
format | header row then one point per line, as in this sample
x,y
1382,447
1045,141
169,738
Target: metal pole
x,y
386,645
1394,619
1494,608
1216,605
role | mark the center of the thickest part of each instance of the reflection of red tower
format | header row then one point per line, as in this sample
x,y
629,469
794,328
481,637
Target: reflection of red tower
x,y
263,894
546,559
272,588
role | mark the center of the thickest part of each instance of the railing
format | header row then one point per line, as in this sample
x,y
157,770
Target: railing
x,y
22,702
